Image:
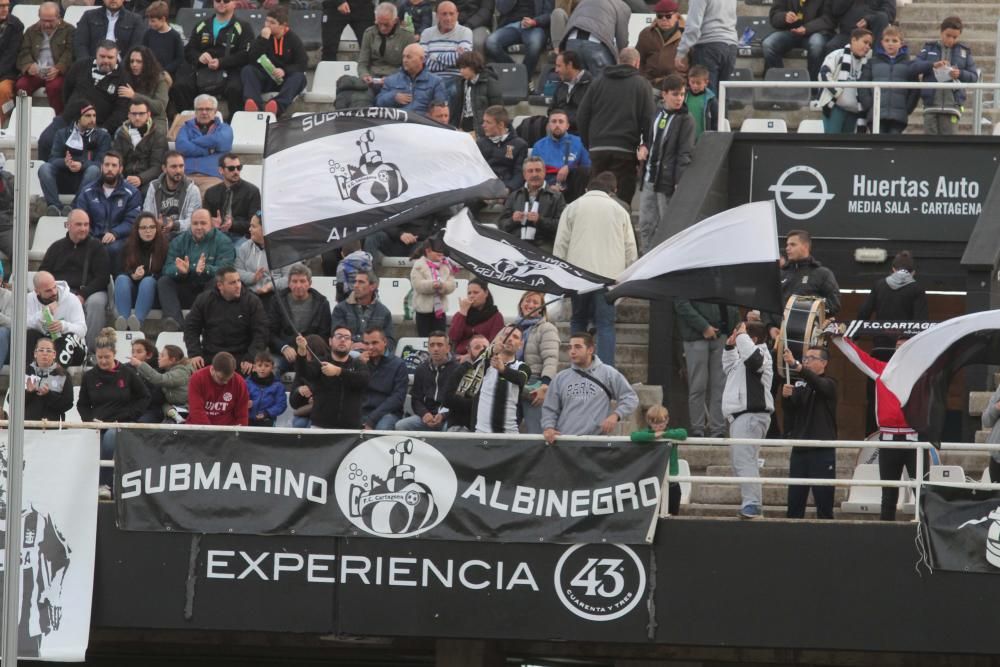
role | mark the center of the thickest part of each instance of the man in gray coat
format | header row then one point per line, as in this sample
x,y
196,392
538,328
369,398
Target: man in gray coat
x,y
709,40
597,30
704,329
580,396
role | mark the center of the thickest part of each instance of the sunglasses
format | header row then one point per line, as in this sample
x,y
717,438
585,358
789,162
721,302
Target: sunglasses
x,y
665,16
231,167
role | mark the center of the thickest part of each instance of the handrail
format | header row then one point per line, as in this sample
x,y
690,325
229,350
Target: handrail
x,y
877,87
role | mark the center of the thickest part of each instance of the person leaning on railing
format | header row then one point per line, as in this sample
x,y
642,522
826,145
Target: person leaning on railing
x,y
657,418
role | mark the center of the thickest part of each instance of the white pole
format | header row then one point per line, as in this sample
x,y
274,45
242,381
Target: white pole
x,y
15,432
876,109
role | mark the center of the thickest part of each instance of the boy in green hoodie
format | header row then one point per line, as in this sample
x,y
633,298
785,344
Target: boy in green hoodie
x,y
657,418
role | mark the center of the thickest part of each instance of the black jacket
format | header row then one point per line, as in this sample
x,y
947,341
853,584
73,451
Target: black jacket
x,y
292,58
231,47
816,16
809,278
461,409
505,158
53,405
93,26
671,155
79,86
11,32
430,384
118,395
217,325
84,266
812,408
904,304
243,199
617,111
485,93
336,400
550,208
569,100
845,14
282,333
144,159
475,13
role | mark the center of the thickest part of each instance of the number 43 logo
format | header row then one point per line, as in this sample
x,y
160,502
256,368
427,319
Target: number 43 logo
x,y
600,582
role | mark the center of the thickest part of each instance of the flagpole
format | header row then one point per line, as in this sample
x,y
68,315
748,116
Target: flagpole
x,y
18,355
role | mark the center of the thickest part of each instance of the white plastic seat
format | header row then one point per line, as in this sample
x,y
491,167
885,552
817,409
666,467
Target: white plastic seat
x,y
636,24
684,469
35,185
324,84
75,12
864,499
123,348
41,118
327,286
171,338
253,173
952,474
392,292
514,124
506,300
28,14
349,41
73,415
811,126
412,350
396,262
249,128
48,230
764,125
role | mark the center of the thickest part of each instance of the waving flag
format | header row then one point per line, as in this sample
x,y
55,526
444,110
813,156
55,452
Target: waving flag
x,y
501,259
921,370
729,258
331,177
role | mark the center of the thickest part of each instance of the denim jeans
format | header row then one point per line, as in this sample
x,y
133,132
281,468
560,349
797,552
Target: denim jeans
x,y
386,422
52,176
840,121
414,423
718,58
256,82
594,308
129,294
511,34
777,44
595,56
4,345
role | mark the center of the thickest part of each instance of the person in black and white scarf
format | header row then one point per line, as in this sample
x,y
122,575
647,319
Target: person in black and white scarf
x,y
842,113
502,384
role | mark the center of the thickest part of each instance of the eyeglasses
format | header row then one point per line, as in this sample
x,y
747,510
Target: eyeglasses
x,y
668,15
234,167
341,336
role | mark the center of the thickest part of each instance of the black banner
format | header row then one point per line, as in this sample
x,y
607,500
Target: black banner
x,y
962,528
848,192
390,486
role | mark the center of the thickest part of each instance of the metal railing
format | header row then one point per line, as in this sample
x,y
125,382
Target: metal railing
x,y
877,88
914,484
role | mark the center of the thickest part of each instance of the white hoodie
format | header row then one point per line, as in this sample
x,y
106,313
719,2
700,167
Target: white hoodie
x,y
68,310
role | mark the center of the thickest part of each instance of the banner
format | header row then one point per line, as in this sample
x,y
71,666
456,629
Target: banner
x,y
499,258
848,192
59,525
331,177
389,486
870,329
961,528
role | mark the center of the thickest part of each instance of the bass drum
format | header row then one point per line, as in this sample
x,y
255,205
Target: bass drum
x,y
802,325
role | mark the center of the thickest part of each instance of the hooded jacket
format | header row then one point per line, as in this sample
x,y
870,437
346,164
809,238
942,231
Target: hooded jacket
x,y
190,200
282,333
657,52
216,247
173,381
69,311
267,395
336,399
616,113
118,395
114,213
961,58
895,297
671,155
216,324
749,370
144,159
201,150
430,386
576,405
386,390
249,258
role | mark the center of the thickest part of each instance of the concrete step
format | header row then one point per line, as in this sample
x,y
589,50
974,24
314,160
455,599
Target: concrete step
x,y
625,334
729,494
978,401
773,470
624,353
969,10
772,512
703,457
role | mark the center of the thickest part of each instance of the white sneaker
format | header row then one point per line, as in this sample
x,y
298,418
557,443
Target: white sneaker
x,y
104,492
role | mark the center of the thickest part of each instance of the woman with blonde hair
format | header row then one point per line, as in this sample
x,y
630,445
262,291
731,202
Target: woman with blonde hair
x,y
540,351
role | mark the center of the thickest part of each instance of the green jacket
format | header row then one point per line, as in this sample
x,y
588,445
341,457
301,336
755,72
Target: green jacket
x,y
216,246
174,381
376,64
61,42
694,317
648,435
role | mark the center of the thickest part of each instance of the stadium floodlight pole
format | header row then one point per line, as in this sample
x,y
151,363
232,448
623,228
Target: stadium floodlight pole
x,y
18,354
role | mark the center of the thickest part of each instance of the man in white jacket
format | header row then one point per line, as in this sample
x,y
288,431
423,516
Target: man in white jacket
x,y
747,404
53,310
595,233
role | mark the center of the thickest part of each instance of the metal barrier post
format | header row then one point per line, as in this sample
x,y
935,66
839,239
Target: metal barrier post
x,y
876,109
920,481
722,104
977,110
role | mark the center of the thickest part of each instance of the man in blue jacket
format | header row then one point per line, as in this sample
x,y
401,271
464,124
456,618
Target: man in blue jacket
x,y
93,28
203,139
75,159
112,204
520,23
563,153
952,61
413,87
382,405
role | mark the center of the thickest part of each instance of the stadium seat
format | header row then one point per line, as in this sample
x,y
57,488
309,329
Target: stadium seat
x,y
254,17
28,14
41,118
393,292
284,420
327,286
249,128
996,129
985,479
253,173
684,470
811,126
73,415
739,98
48,230
751,31
514,124
349,41
413,352
540,98
171,338
74,12
324,83
764,125
724,125
35,189
397,262
513,81
636,24
864,499
307,25
188,18
782,99
123,348
953,474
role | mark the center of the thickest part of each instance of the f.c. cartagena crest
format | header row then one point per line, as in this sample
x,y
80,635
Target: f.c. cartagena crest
x,y
371,181
394,486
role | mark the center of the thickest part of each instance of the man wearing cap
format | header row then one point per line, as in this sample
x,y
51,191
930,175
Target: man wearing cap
x,y
657,43
75,158
798,24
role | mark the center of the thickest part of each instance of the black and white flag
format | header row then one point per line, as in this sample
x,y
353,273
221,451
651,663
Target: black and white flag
x,y
501,259
961,527
729,258
330,177
59,532
920,371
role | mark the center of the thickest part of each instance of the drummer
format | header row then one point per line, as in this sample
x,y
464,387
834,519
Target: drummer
x,y
803,275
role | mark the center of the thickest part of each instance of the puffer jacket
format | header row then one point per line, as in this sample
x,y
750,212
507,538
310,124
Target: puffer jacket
x,y
541,350
961,58
749,371
897,104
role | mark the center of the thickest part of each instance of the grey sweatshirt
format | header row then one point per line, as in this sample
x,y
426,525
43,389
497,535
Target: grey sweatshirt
x,y
575,405
709,22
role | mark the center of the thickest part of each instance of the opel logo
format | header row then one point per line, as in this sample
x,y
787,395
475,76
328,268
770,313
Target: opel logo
x,y
800,184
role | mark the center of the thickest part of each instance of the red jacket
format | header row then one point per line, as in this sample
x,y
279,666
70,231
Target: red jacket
x,y
888,411
217,404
